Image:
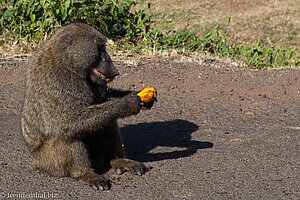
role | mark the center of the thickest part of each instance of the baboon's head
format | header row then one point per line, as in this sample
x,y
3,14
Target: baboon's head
x,y
84,48
104,70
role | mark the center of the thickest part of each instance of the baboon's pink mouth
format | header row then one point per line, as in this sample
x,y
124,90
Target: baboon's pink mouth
x,y
101,75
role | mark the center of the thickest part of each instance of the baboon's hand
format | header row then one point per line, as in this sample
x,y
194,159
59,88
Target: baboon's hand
x,y
147,105
133,103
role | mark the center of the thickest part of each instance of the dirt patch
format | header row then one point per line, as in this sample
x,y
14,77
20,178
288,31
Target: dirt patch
x,y
218,131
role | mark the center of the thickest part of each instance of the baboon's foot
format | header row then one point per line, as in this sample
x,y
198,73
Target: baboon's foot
x,y
96,181
100,183
121,165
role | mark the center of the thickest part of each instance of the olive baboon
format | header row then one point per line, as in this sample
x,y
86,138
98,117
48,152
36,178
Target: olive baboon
x,y
68,121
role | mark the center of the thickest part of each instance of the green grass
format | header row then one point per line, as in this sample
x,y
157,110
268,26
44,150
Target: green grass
x,y
134,29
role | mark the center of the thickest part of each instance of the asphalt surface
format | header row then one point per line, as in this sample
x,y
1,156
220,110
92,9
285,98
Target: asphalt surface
x,y
217,132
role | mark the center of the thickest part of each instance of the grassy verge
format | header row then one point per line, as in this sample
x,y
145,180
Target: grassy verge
x,y
276,22
164,28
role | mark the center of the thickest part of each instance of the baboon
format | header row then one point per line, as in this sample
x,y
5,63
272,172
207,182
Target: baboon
x,y
69,117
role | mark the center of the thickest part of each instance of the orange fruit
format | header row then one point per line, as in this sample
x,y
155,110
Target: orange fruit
x,y
148,94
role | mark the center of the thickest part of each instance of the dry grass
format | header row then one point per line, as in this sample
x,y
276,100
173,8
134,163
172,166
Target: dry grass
x,y
274,21
17,47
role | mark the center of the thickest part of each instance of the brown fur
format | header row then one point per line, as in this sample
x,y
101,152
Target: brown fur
x,y
68,121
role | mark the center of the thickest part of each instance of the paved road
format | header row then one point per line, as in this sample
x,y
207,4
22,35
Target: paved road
x,y
216,132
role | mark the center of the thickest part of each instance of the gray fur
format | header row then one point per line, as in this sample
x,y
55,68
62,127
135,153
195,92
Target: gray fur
x,y
69,123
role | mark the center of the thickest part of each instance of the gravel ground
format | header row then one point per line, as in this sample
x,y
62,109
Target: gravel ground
x,y
218,131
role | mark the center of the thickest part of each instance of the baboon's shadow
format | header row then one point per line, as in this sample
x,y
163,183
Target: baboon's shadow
x,y
140,139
